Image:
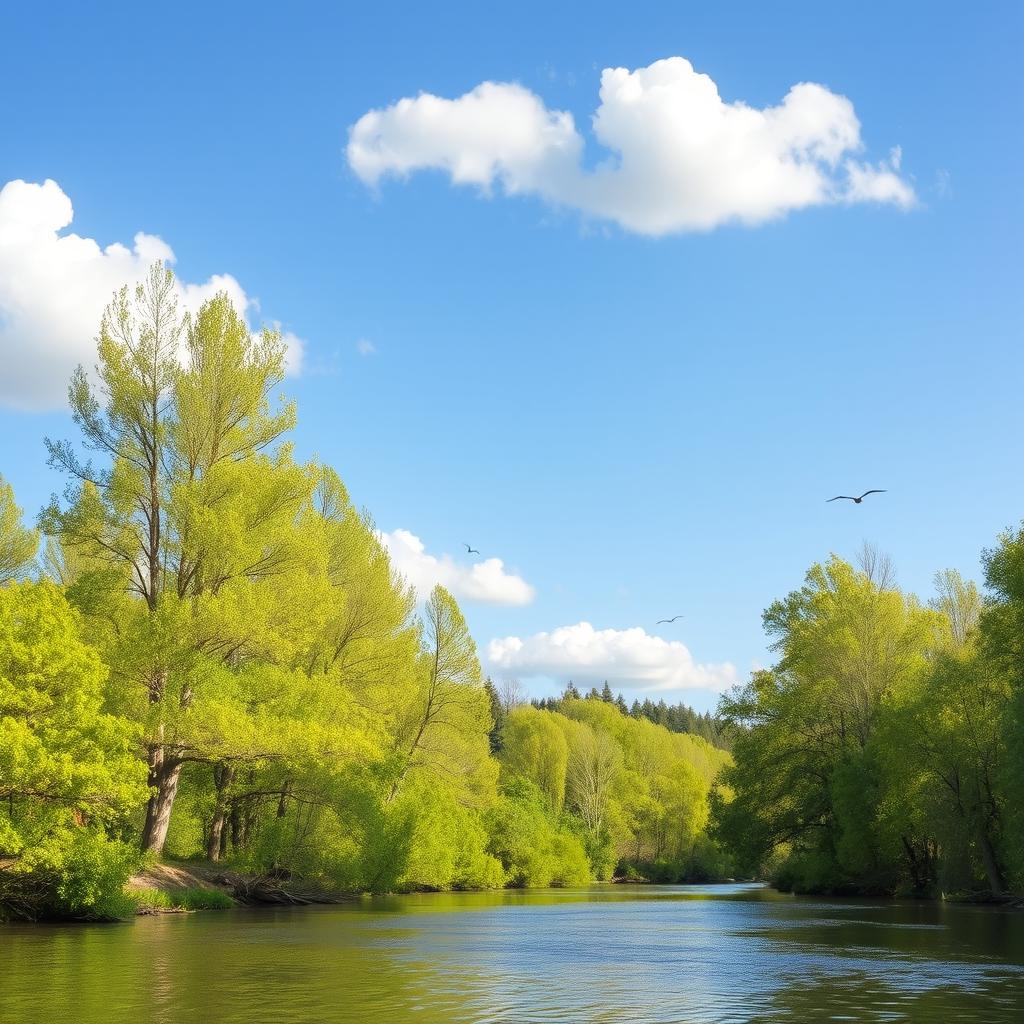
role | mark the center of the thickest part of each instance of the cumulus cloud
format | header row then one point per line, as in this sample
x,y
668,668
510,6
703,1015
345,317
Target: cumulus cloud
x,y
55,285
678,157
486,580
629,658
365,347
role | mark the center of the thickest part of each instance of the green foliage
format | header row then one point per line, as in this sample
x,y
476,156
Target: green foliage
x,y
532,848
535,748
632,792
17,544
1002,644
68,771
877,756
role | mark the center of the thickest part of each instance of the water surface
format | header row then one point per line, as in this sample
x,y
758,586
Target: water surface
x,y
608,954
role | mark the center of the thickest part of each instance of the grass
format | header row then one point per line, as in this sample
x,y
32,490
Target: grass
x,y
180,899
204,899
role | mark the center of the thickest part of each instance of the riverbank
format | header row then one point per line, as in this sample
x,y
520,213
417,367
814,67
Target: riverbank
x,y
169,887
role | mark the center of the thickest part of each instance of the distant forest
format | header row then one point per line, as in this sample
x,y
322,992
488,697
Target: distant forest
x,y
674,717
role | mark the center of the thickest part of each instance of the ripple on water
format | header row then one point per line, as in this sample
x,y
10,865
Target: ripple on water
x,y
660,956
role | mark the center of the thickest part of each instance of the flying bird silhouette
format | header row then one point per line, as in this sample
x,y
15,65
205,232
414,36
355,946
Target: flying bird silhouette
x,y
673,619
856,501
469,550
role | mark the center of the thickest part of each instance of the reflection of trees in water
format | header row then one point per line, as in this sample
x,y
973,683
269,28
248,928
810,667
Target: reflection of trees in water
x,y
987,997
603,956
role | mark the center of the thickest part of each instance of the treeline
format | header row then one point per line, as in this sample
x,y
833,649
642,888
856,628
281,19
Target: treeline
x,y
674,717
884,752
210,656
636,794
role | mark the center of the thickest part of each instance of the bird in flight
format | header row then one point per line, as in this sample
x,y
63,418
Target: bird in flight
x,y
673,619
469,550
856,501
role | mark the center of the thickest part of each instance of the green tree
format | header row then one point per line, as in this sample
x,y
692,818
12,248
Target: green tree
x,y
69,774
188,526
806,776
446,725
1002,644
17,544
496,735
536,749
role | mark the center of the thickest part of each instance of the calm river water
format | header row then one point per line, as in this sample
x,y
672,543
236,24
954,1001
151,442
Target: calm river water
x,y
608,954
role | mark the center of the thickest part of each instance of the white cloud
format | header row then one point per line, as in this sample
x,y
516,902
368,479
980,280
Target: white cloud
x,y
485,581
678,158
628,658
365,347
881,183
54,288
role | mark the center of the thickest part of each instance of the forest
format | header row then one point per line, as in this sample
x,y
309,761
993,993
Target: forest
x,y
206,654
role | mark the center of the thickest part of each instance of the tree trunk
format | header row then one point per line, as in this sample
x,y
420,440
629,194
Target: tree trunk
x,y
988,858
164,773
223,775
282,804
235,819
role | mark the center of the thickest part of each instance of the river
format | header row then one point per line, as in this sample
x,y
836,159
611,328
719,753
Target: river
x,y
606,954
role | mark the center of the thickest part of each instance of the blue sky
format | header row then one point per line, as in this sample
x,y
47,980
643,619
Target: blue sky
x,y
636,425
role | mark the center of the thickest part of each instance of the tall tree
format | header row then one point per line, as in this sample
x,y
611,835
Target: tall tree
x,y
1002,643
191,512
446,729
806,773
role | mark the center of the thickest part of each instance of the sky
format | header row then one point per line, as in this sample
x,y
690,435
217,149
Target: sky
x,y
617,296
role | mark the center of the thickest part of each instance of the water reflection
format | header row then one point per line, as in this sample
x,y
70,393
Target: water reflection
x,y
608,954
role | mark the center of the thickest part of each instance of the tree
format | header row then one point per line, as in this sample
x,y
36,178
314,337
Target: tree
x,y
536,749
511,694
959,602
595,761
188,526
496,735
445,732
806,773
69,774
17,544
946,726
1002,644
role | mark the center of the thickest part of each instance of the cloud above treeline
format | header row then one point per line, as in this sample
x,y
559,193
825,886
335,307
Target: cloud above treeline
x,y
54,287
677,156
630,659
486,580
